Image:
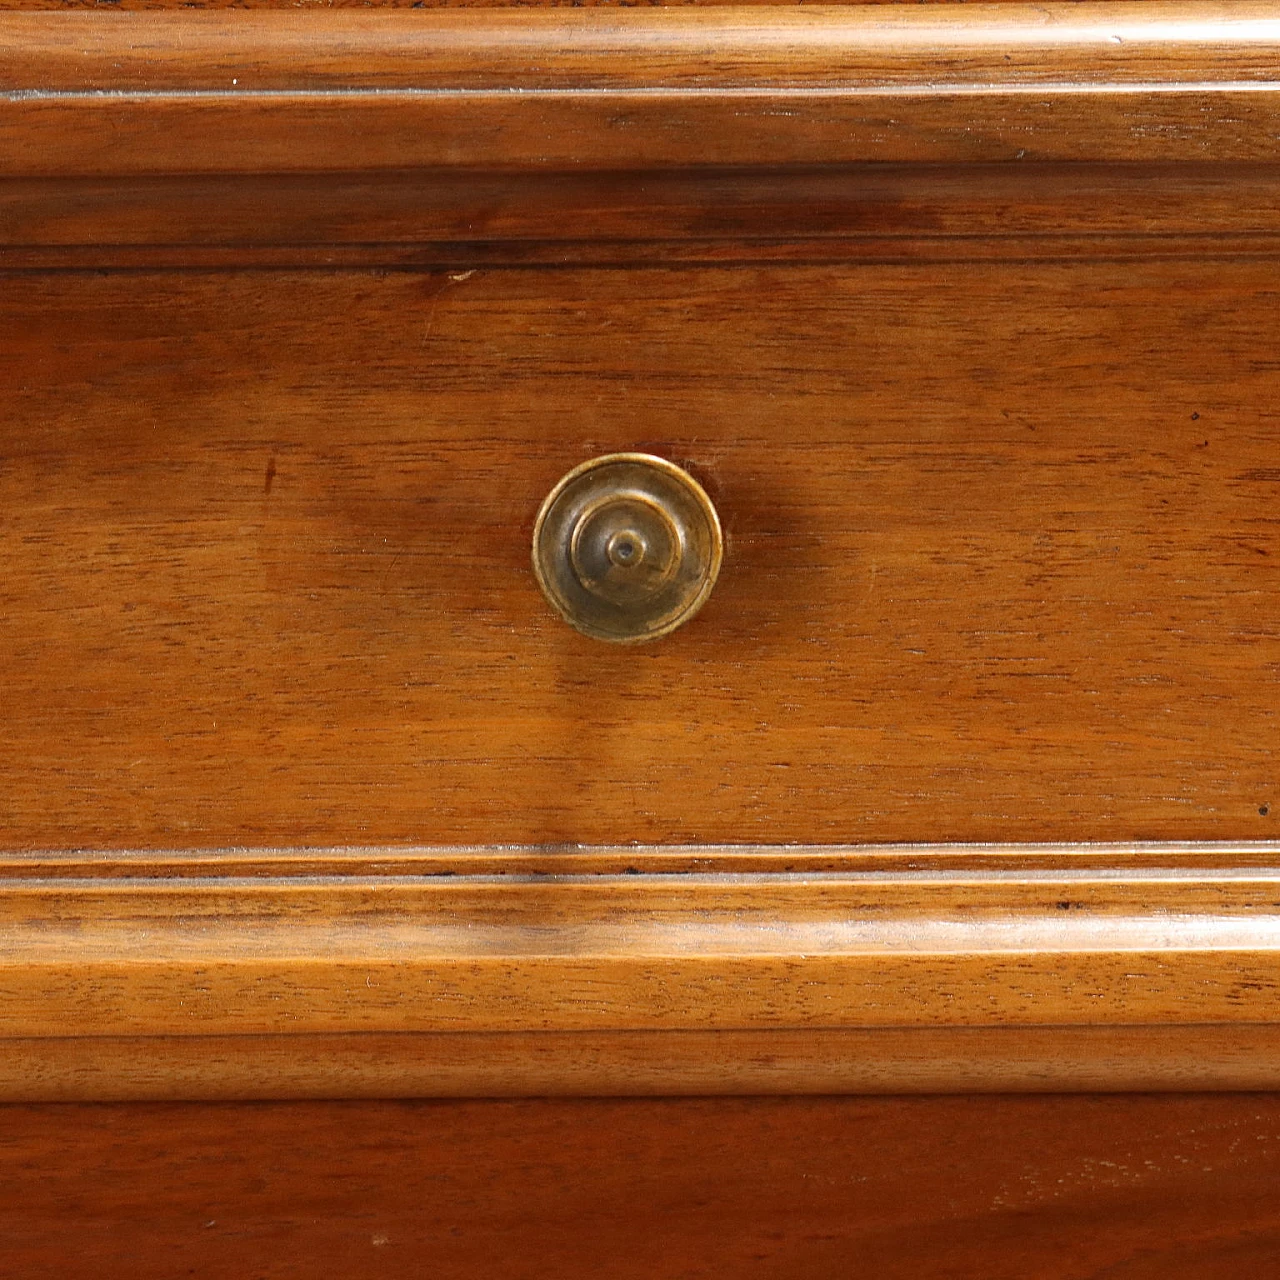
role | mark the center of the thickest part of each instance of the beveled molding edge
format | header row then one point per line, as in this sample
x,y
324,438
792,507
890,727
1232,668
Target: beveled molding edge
x,y
1070,857
520,972
461,140
641,1064
115,94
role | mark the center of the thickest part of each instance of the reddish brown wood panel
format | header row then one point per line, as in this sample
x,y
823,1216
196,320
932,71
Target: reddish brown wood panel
x,y
876,1060
1001,548
833,213
1186,42
95,95
1132,1187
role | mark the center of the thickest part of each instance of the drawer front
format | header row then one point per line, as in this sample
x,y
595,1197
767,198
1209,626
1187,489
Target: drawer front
x,y
762,1189
1000,553
963,316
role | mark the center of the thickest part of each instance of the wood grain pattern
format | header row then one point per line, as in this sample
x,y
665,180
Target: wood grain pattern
x,y
95,136
214,957
380,983
826,213
92,95
1139,1188
993,441
817,46
442,1064
999,548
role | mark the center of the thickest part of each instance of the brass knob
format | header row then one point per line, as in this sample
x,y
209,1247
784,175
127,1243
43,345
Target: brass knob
x,y
627,547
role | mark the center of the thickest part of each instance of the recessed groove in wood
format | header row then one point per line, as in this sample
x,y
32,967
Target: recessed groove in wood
x,y
630,255
443,216
1168,862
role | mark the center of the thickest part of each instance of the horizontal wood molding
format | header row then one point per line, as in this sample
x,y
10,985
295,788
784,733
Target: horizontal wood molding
x,y
129,979
485,218
468,138
881,1060
845,47
64,135
96,95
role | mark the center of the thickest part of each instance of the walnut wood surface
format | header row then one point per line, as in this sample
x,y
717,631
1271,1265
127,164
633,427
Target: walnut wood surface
x,y
999,544
817,46
371,953
993,441
827,213
993,448
1138,1188
358,978
96,95
443,1064
366,130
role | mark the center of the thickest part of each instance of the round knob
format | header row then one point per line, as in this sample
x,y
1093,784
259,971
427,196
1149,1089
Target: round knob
x,y
627,547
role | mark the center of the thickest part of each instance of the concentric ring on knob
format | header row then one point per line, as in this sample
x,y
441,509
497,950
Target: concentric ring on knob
x,y
627,547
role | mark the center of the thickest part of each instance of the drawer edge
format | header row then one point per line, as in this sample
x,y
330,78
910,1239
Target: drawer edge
x,y
310,974
868,1061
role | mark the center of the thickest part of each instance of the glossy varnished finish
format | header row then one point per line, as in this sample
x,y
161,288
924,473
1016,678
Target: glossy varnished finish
x,y
1139,1188
991,439
933,213
627,547
611,953
999,539
776,48
138,95
964,317
264,974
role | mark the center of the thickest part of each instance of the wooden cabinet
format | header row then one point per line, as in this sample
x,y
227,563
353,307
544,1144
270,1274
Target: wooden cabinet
x,y
911,910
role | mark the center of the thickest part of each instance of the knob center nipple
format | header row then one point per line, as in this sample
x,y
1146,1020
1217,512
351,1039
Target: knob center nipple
x,y
626,549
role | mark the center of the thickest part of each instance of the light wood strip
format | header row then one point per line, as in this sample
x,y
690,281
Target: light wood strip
x,y
638,953
382,984
1176,863
687,48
